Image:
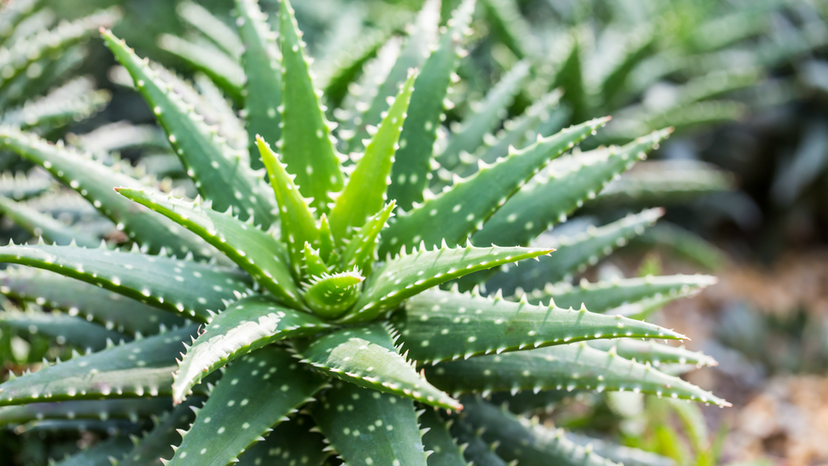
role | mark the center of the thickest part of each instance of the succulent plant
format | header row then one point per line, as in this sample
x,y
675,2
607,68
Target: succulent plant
x,y
351,311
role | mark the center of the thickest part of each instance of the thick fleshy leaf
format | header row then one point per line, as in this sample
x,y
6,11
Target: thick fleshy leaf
x,y
574,254
366,356
20,187
623,455
246,325
44,225
134,370
94,181
638,45
157,443
345,65
361,251
262,388
330,295
566,367
211,26
512,29
469,137
263,71
457,213
186,288
408,274
295,441
653,353
219,173
76,100
364,195
606,296
411,55
439,441
15,60
255,251
685,244
85,409
297,221
221,68
569,76
100,454
61,328
306,145
567,183
13,13
367,427
477,451
441,325
661,183
530,444
413,159
95,304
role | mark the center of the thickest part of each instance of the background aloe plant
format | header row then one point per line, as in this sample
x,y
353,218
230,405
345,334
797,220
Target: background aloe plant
x,y
372,264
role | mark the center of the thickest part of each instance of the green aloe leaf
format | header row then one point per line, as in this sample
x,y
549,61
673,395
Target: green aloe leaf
x,y
528,443
413,159
476,451
182,287
342,71
361,251
20,187
297,221
638,45
365,193
607,295
513,30
221,68
441,325
76,100
255,251
366,356
685,244
569,76
409,274
219,173
85,409
562,188
462,209
262,388
212,27
439,441
44,225
653,353
330,295
566,367
17,59
307,146
367,427
94,181
156,446
661,183
63,329
411,55
623,455
473,129
263,70
100,454
314,264
13,13
244,327
134,370
112,310
295,440
574,254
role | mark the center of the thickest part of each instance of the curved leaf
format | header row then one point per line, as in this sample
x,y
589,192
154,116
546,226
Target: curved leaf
x,y
219,173
366,357
441,325
183,287
256,252
85,409
94,181
75,297
438,440
330,295
272,386
246,325
44,225
367,427
63,329
408,274
157,443
361,251
295,440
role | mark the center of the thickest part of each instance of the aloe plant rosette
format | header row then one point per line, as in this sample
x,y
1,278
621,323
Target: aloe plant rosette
x,y
321,304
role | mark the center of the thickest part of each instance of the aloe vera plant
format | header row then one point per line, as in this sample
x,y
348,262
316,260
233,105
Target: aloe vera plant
x,y
318,299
